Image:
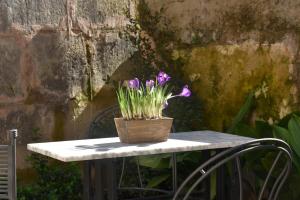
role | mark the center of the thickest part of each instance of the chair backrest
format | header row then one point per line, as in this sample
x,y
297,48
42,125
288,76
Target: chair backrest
x,y
8,167
272,181
104,126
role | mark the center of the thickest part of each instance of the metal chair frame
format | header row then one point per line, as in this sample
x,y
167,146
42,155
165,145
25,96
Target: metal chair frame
x,y
113,110
234,154
8,186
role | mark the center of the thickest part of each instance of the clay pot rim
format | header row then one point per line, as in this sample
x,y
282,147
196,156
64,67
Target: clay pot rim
x,y
164,118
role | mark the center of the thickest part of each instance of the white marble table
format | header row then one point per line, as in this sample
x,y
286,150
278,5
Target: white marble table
x,y
92,149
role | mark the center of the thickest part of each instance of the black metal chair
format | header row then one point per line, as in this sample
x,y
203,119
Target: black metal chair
x,y
101,127
273,180
8,168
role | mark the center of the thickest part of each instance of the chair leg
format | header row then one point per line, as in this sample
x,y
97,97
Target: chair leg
x,y
236,190
221,181
206,155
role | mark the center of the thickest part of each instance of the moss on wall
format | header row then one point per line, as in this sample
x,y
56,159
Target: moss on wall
x,y
227,50
59,123
223,75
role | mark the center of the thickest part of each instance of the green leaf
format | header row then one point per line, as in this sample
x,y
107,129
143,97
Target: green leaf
x,y
284,121
263,129
157,180
296,161
242,113
245,130
281,133
155,162
193,157
294,129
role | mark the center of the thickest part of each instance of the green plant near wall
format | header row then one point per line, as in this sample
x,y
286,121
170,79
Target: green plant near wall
x,y
54,181
287,129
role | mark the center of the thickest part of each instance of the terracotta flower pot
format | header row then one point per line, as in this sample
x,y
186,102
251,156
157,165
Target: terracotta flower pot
x,y
142,131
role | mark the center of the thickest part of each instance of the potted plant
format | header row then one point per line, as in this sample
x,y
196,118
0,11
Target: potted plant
x,y
141,108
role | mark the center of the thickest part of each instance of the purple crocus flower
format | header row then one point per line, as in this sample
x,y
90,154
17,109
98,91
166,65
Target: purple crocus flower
x,y
150,83
134,83
186,92
162,78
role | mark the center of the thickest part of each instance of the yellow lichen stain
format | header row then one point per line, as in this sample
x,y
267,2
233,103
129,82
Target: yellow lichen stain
x,y
81,102
223,75
59,123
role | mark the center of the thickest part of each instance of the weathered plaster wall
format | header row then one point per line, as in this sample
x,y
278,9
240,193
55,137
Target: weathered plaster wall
x,y
55,57
228,49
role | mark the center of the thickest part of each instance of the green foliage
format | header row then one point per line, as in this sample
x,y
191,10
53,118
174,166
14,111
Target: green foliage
x,y
54,181
162,164
243,112
287,129
143,102
291,134
155,162
157,180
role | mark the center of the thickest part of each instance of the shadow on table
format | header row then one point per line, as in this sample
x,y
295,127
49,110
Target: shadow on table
x,y
204,138
110,146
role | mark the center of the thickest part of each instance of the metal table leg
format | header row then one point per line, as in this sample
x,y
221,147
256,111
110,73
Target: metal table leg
x,y
221,184
99,183
111,179
174,172
86,180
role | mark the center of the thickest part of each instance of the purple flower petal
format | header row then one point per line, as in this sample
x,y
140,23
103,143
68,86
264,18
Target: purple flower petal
x,y
166,104
186,92
134,83
150,83
162,78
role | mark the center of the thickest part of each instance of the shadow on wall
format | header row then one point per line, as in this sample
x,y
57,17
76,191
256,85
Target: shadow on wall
x,y
106,97
75,79
58,85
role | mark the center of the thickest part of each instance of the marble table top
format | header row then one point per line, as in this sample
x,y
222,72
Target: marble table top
x,y
92,149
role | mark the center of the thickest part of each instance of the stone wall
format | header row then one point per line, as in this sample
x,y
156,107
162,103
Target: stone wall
x,y
55,59
228,49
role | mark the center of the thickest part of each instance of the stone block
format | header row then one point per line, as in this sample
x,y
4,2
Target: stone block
x,y
34,122
10,69
33,12
111,13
